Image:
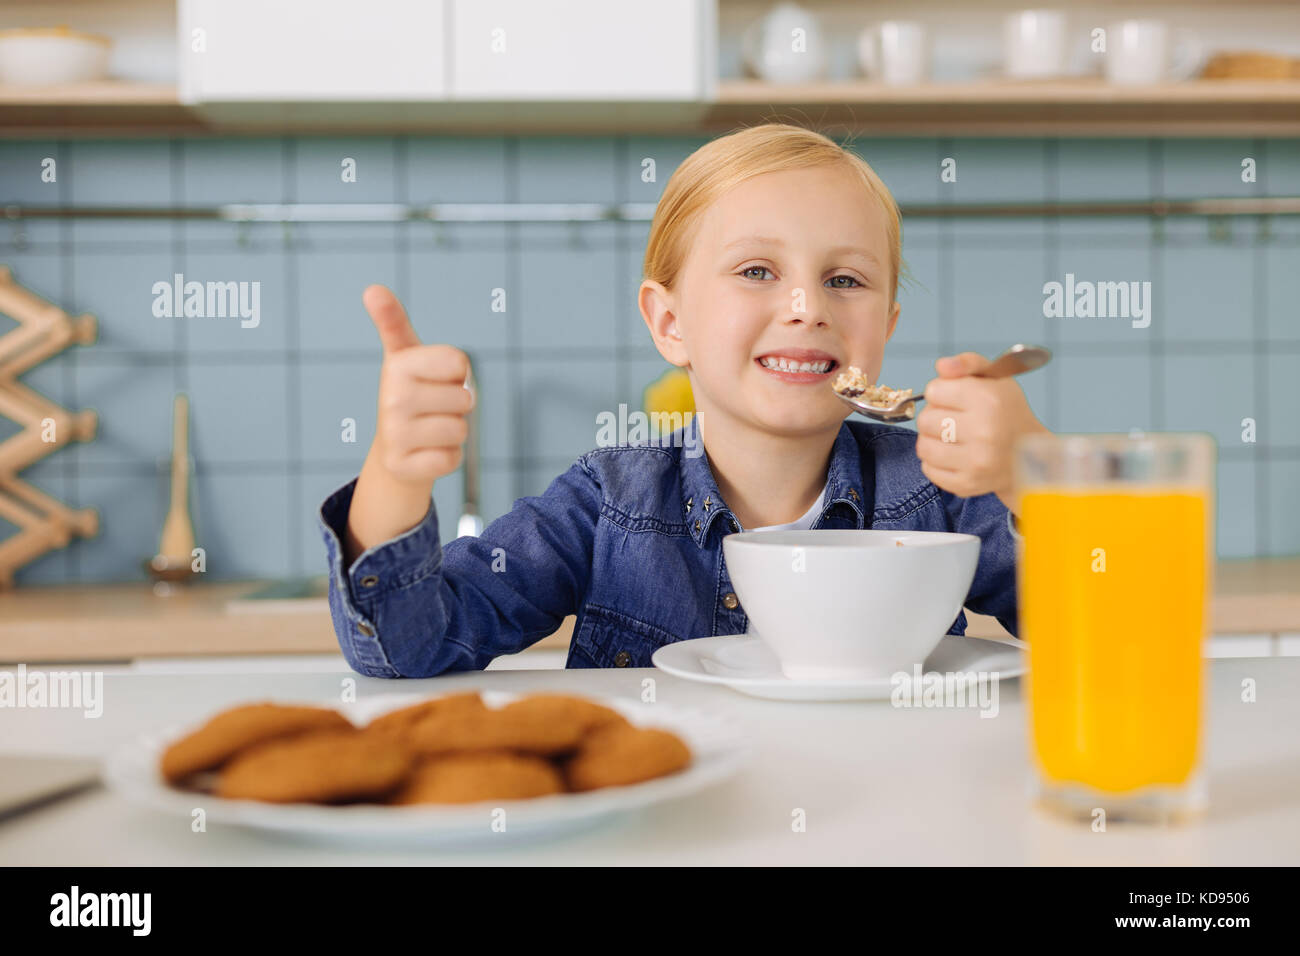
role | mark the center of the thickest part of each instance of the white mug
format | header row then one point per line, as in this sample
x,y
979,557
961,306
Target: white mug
x,y
895,52
770,49
1033,44
1140,51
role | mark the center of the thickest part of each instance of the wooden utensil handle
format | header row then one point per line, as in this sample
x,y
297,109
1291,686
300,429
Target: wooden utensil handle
x,y
180,451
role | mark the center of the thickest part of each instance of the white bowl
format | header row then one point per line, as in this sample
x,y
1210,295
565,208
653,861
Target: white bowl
x,y
48,56
850,604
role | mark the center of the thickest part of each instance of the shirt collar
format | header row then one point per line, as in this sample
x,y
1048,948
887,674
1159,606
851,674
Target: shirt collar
x,y
702,503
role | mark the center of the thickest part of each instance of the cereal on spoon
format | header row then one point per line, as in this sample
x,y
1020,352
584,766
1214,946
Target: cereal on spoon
x,y
853,383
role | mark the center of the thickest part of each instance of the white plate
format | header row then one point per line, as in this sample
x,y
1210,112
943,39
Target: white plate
x,y
744,663
717,745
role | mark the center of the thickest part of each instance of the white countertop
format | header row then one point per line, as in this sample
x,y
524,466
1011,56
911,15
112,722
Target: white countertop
x,y
878,785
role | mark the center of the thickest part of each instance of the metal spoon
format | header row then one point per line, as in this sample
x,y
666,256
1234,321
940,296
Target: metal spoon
x,y
1017,359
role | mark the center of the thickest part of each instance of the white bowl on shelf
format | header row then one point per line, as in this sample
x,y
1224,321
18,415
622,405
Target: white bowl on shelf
x,y
51,56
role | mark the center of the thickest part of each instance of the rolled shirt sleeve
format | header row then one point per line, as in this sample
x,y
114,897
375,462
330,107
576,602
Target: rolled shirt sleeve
x,y
412,607
993,591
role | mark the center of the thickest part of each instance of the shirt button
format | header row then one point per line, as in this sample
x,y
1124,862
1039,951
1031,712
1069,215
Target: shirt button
x,y
369,581
366,629
622,659
729,600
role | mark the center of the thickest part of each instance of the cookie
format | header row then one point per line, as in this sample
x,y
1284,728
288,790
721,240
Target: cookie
x,y
472,777
544,731
616,755
400,721
563,708
238,728
326,767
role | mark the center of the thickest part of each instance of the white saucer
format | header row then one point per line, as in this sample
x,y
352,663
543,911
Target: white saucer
x,y
744,663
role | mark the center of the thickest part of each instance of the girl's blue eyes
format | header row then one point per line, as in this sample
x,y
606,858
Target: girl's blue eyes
x,y
831,279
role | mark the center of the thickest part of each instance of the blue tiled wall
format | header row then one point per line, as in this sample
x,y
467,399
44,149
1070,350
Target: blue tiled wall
x,y
1223,345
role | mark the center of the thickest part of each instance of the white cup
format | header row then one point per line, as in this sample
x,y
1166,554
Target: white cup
x,y
785,46
1033,44
896,52
1141,51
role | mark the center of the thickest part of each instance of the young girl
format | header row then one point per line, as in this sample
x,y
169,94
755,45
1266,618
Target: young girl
x,y
772,266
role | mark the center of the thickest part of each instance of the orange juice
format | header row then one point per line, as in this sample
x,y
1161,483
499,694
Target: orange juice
x,y
1112,592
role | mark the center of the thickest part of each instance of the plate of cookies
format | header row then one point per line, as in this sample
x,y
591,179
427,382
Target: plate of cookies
x,y
452,767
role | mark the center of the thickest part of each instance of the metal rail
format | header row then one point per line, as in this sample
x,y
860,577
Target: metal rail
x,y
629,212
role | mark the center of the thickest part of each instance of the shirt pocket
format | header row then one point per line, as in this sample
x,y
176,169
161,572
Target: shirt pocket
x,y
609,638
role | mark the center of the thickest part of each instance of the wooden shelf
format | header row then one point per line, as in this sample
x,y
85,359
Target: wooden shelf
x,y
992,107
103,93
91,109
986,108
1007,92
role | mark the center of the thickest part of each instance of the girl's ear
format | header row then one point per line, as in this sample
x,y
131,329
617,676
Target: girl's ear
x,y
893,320
657,308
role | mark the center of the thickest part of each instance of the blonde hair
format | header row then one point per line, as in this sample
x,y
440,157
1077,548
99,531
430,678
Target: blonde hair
x,y
718,166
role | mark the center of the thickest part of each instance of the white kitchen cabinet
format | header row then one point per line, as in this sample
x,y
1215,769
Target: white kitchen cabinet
x,y
328,50
583,50
439,51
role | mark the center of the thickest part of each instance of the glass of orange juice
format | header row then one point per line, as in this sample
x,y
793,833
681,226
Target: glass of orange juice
x,y
1114,577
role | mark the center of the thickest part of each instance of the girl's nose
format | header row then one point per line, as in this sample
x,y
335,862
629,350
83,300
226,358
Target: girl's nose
x,y
808,304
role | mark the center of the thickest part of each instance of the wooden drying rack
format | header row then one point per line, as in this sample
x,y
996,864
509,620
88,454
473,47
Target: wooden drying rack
x,y
44,523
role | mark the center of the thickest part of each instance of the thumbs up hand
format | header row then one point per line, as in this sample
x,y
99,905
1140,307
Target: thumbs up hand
x,y
423,401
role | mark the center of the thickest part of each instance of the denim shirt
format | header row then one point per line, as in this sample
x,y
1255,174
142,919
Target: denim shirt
x,y
628,539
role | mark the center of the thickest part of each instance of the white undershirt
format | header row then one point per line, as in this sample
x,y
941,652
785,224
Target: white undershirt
x,y
802,523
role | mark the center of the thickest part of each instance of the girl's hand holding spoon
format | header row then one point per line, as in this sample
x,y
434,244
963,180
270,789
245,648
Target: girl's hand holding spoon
x,y
967,431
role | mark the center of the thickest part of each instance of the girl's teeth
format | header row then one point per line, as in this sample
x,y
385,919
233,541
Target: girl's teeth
x,y
787,365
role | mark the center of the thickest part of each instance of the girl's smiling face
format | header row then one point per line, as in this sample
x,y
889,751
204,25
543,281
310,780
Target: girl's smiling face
x,y
793,268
